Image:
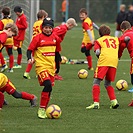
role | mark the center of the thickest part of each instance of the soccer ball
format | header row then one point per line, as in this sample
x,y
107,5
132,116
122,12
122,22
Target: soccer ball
x,y
82,74
122,85
64,60
53,111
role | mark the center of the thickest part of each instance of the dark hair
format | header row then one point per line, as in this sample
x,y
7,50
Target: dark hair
x,y
125,25
48,22
83,10
6,11
17,9
104,30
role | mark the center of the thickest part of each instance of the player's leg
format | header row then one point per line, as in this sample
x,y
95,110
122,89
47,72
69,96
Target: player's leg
x,y
27,71
45,81
110,76
57,64
89,59
10,89
11,58
95,94
1,100
19,58
131,74
4,66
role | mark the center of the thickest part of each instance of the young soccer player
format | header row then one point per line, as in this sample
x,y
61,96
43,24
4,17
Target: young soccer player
x,y
9,31
104,48
9,43
22,25
88,38
61,31
36,30
7,86
127,32
44,46
121,16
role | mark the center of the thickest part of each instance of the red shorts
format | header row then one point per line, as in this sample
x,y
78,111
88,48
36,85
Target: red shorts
x,y
9,88
105,71
18,43
45,76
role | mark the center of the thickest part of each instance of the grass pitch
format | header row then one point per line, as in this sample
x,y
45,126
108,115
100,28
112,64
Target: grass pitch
x,y
72,95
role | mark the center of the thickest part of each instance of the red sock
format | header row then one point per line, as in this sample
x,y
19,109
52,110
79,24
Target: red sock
x,y
44,99
89,59
28,68
11,61
2,59
1,99
96,93
111,92
27,96
19,59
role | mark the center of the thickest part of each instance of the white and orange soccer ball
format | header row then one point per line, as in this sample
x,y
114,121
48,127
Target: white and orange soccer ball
x,y
53,111
122,85
64,60
82,74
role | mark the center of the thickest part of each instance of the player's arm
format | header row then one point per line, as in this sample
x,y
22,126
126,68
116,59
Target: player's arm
x,y
95,26
3,38
122,46
31,49
1,25
97,48
88,30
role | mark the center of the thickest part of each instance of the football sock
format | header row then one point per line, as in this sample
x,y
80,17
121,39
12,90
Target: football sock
x,y
28,68
27,96
111,92
2,59
132,79
44,99
96,93
11,61
89,59
19,59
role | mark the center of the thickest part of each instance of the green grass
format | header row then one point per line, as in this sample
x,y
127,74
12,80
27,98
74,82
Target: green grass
x,y
72,95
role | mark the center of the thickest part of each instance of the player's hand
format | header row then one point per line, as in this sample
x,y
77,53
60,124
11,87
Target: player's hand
x,y
31,61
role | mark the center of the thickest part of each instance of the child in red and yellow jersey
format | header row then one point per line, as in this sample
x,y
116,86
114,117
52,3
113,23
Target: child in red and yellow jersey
x,y
88,38
22,25
44,46
106,49
127,32
61,31
9,43
36,30
7,86
9,31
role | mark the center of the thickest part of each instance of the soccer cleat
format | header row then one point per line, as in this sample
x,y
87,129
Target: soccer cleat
x,y
93,106
131,90
42,113
4,67
130,104
58,77
91,68
5,102
114,104
33,102
10,70
26,75
17,66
